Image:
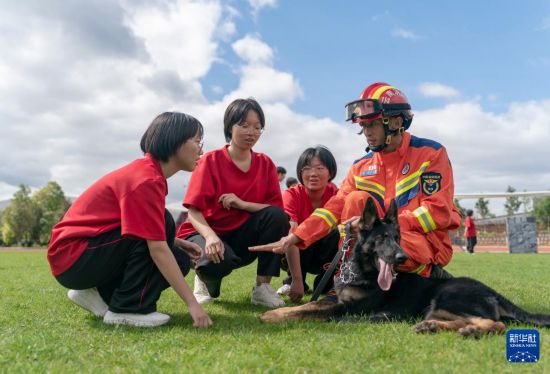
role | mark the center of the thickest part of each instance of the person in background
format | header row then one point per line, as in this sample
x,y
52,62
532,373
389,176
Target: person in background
x,y
470,232
291,182
115,248
316,168
234,201
281,174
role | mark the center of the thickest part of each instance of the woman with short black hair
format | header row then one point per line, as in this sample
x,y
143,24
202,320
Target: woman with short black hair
x,y
115,248
316,168
235,202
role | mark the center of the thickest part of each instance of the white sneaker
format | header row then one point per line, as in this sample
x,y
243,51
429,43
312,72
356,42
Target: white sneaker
x,y
265,295
90,300
284,289
201,292
133,319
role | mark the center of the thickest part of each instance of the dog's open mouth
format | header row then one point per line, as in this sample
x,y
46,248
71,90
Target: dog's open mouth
x,y
386,274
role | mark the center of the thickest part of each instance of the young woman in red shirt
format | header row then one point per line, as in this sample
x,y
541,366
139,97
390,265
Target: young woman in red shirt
x,y
234,202
115,248
316,169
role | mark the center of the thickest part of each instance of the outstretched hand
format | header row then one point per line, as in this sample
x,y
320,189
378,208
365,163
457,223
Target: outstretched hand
x,y
281,246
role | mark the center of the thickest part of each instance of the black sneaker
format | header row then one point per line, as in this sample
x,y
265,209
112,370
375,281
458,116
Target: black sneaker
x,y
439,272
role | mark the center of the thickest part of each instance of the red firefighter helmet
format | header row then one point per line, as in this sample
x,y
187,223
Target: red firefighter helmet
x,y
380,100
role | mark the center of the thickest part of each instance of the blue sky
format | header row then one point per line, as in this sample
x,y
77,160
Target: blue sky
x,y
81,81
494,51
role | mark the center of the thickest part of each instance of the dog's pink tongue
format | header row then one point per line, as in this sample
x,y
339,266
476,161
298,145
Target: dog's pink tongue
x,y
385,277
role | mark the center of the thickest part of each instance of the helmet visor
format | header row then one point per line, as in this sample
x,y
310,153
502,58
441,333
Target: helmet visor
x,y
362,109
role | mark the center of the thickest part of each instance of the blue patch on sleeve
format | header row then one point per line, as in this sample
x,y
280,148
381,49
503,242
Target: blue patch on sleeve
x,y
421,142
365,157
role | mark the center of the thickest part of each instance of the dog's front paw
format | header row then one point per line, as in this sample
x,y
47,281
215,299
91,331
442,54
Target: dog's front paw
x,y
274,316
470,331
426,327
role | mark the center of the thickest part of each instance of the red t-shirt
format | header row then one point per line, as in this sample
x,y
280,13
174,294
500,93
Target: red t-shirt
x,y
297,203
470,227
132,197
216,174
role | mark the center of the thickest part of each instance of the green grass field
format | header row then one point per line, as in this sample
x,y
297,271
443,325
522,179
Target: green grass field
x,y
42,331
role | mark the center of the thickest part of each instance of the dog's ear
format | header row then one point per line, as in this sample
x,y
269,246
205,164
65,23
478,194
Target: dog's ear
x,y
391,214
369,216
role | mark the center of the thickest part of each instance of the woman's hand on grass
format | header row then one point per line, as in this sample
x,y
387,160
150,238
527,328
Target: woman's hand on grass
x,y
199,316
296,291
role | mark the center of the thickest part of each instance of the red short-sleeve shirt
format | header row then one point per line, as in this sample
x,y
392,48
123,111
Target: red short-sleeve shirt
x,y
132,198
215,175
470,227
298,205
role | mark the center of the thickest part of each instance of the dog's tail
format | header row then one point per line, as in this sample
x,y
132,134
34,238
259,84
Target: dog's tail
x,y
512,312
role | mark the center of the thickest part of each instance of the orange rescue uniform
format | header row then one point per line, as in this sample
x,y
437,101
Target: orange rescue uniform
x,y
418,174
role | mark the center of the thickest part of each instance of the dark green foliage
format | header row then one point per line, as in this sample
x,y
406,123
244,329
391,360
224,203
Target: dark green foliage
x,y
28,220
513,203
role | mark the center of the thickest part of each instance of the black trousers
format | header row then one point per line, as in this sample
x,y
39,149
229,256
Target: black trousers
x,y
472,241
264,226
123,271
316,259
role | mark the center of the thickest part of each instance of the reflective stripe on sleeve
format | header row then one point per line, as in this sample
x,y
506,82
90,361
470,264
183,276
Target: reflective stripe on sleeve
x,y
366,185
425,219
327,215
418,270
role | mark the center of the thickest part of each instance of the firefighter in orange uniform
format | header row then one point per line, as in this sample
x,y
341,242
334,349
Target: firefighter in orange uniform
x,y
415,172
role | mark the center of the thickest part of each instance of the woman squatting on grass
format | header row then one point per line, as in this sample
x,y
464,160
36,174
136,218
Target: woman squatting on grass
x,y
235,202
316,168
115,248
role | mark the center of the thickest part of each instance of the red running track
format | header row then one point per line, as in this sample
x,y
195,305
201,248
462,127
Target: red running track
x,y
496,248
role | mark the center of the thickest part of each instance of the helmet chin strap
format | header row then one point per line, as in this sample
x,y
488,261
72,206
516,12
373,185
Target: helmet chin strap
x,y
387,136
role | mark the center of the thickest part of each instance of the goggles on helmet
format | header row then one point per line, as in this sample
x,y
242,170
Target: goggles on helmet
x,y
362,109
371,108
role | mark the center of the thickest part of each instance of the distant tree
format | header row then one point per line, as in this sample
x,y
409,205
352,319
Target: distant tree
x,y
482,207
542,210
527,203
512,203
20,219
460,208
1,237
52,205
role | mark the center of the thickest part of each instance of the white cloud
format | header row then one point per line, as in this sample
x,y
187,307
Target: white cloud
x,y
257,5
489,151
217,89
405,34
546,23
253,50
172,38
258,77
75,106
435,89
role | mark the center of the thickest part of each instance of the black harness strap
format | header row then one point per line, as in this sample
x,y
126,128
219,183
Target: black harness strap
x,y
330,271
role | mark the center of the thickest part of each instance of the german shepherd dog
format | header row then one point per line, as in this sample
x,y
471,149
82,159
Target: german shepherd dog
x,y
370,287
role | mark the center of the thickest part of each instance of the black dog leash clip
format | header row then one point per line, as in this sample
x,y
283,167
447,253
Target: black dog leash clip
x,y
342,252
